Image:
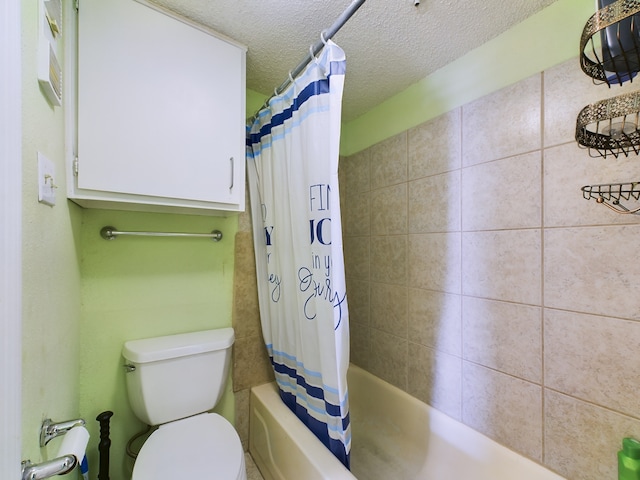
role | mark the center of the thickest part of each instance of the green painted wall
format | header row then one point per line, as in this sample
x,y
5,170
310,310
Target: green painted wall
x,y
254,101
50,264
138,287
84,296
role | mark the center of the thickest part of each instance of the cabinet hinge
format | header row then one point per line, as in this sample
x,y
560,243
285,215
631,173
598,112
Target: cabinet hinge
x,y
75,166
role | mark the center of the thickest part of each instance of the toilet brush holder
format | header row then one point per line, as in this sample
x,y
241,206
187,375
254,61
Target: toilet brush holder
x,y
104,445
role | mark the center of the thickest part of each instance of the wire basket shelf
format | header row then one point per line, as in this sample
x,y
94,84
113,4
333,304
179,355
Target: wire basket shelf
x,y
610,54
623,198
610,43
611,126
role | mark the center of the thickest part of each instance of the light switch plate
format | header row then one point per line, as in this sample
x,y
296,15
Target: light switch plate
x,y
46,181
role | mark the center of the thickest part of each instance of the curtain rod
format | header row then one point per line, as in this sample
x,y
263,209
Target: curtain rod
x,y
325,35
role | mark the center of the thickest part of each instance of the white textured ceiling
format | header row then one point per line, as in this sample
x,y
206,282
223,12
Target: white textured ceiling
x,y
390,44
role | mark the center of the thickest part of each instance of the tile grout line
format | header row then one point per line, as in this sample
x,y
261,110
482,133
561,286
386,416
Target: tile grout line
x,y
406,272
461,300
369,282
542,277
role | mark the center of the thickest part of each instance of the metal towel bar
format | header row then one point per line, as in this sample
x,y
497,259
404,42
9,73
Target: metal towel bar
x,y
110,233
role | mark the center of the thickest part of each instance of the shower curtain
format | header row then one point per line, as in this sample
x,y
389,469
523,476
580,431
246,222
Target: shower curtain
x,y
292,163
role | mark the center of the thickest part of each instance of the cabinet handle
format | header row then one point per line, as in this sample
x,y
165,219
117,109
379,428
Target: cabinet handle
x,y
232,166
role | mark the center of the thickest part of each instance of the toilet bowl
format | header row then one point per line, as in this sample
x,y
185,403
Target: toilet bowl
x,y
173,382
202,447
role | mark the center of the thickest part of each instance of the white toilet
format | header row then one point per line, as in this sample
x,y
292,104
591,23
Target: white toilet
x,y
173,382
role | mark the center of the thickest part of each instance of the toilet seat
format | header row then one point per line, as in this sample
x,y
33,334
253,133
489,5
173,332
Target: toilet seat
x,y
205,446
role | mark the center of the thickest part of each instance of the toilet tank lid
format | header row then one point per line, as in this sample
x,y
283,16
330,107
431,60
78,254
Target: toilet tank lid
x,y
172,346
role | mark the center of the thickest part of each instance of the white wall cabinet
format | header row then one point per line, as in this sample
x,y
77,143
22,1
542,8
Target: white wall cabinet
x,y
160,112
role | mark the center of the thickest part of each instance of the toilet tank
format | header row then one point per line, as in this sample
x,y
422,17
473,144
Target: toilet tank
x,y
177,376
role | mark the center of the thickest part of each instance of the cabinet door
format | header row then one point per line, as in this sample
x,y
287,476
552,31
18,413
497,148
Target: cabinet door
x,y
160,105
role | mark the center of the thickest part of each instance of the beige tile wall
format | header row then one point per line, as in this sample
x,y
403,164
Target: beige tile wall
x,y
251,365
481,282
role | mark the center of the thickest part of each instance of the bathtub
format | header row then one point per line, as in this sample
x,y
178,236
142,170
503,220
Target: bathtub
x,y
394,436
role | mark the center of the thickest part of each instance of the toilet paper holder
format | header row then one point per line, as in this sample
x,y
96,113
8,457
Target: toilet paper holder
x,y
50,430
57,466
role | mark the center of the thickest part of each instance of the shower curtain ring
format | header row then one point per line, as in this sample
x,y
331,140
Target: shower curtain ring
x,y
313,57
291,77
324,40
